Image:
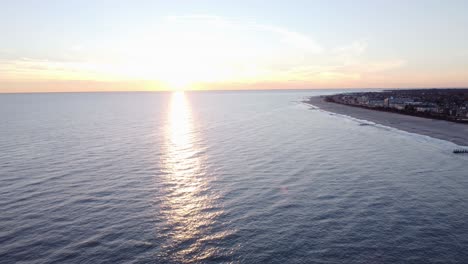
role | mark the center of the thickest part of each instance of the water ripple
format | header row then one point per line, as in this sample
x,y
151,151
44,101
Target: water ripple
x,y
244,177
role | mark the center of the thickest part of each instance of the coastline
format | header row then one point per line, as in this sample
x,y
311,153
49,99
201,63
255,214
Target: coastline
x,y
449,131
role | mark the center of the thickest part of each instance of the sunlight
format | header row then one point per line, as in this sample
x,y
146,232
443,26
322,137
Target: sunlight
x,y
188,203
178,84
180,126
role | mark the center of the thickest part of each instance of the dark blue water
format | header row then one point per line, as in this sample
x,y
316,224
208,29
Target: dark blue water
x,y
241,177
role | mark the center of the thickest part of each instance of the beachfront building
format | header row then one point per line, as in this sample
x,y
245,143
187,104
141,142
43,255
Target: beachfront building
x,y
397,103
427,108
449,104
362,100
375,103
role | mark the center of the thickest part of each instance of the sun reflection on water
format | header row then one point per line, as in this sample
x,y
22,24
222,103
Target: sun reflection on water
x,y
189,207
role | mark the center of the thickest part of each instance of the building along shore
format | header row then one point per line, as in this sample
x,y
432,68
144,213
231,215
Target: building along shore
x,y
440,129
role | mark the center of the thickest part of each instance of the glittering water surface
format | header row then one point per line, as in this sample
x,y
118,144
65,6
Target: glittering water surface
x,y
220,177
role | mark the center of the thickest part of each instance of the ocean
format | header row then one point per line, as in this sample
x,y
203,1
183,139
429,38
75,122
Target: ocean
x,y
221,177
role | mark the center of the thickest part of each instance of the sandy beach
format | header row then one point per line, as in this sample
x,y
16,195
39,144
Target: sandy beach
x,y
449,131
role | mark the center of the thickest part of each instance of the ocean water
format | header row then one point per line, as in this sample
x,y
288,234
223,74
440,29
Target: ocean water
x,y
208,177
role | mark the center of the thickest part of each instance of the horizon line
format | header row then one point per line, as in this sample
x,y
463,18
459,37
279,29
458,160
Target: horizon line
x,y
234,90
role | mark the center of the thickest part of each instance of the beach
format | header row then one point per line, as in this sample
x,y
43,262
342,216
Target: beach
x,y
444,130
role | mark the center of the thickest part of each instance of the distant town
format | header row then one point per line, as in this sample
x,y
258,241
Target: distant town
x,y
446,104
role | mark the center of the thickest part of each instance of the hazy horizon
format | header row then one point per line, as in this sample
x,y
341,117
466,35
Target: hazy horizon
x,y
230,90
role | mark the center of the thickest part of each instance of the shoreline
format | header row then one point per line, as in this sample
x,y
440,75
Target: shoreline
x,y
445,130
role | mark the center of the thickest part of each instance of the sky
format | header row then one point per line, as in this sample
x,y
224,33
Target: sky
x,y
100,45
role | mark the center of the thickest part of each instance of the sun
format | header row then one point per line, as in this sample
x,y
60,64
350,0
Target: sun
x,y
178,84
181,77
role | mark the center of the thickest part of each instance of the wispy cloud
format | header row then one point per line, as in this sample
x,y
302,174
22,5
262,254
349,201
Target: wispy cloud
x,y
29,68
293,38
205,49
356,48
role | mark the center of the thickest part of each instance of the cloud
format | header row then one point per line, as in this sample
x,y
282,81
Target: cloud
x,y
209,49
29,68
292,38
382,66
356,48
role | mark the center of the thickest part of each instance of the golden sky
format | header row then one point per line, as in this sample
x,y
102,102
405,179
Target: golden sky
x,y
95,46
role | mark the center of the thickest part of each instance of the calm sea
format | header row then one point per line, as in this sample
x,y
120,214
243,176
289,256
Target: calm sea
x,y
204,177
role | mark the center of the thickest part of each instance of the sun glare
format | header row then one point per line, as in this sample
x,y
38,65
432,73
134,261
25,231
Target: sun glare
x,y
188,206
178,84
